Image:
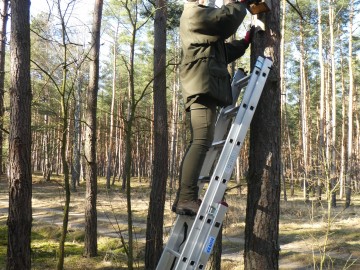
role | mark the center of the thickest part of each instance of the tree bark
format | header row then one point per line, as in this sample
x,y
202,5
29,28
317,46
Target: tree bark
x,y
4,6
155,219
112,110
322,104
20,180
64,139
304,116
333,109
90,240
262,212
76,167
350,113
343,133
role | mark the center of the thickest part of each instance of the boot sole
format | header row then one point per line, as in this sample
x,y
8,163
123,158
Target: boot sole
x,y
186,212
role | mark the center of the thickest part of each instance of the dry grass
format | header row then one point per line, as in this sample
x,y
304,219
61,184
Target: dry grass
x,y
302,229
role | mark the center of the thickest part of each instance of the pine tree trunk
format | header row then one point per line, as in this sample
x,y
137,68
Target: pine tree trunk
x,y
4,6
348,178
76,167
322,104
263,201
20,181
46,163
343,135
112,110
174,125
90,240
304,115
333,109
283,93
154,228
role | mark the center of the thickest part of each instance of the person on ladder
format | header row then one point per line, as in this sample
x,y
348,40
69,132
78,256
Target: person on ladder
x,y
206,82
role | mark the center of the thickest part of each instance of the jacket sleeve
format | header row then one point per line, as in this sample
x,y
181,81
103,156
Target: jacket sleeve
x,y
235,49
221,22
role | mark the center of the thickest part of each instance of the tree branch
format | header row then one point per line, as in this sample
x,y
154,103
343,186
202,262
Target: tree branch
x,y
296,9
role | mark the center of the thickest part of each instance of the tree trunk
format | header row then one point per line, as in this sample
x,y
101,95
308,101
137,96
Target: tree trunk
x,y
333,109
350,113
20,213
46,168
90,240
155,219
262,212
76,167
4,6
304,115
174,125
64,141
322,104
343,134
112,110
283,94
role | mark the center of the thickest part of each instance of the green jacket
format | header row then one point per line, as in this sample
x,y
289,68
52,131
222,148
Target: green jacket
x,y
203,69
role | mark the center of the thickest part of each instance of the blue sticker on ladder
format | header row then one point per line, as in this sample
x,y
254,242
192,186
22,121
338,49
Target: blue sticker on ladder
x,y
210,245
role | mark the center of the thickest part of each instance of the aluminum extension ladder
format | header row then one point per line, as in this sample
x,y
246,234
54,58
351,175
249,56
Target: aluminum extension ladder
x,y
192,238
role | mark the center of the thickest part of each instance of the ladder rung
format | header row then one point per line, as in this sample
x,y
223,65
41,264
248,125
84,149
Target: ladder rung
x,y
218,144
204,179
231,112
173,252
242,82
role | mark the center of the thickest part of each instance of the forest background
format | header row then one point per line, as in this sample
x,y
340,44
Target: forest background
x,y
320,128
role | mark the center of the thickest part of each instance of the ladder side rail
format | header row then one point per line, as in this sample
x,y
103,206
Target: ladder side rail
x,y
222,122
166,259
235,139
207,246
227,161
171,252
206,239
174,243
217,187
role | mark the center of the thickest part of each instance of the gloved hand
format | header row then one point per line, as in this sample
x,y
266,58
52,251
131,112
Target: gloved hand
x,y
250,35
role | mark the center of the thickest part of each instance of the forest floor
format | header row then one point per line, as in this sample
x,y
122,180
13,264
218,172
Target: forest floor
x,y
304,236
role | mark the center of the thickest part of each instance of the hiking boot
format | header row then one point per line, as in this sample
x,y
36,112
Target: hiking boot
x,y
189,208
